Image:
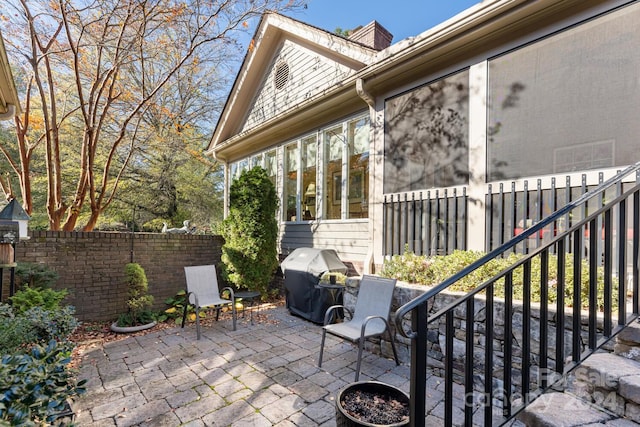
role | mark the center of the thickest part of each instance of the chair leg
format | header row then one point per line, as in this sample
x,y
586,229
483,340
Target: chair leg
x,y
360,348
234,314
393,347
198,322
324,335
184,315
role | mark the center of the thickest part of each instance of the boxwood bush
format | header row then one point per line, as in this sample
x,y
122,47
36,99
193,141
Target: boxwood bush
x,y
431,271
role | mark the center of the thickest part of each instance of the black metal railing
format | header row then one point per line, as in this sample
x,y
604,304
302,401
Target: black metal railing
x,y
514,206
578,309
427,222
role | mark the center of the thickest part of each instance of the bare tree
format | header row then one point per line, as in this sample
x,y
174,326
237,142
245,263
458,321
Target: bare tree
x,y
94,68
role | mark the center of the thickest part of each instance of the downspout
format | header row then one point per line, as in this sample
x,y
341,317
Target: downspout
x,y
10,114
368,264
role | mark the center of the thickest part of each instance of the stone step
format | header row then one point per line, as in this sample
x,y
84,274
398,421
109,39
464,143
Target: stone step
x,y
605,370
628,342
603,390
565,410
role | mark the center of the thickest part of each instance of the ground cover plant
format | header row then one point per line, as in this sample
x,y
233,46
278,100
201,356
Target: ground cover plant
x,y
431,271
36,380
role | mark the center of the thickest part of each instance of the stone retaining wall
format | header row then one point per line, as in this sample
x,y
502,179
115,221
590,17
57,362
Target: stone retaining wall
x,y
91,265
405,292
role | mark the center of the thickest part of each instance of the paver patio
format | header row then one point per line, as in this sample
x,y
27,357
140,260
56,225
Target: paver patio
x,y
264,374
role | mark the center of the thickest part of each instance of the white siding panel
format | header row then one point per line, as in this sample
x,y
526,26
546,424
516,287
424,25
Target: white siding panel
x,y
309,73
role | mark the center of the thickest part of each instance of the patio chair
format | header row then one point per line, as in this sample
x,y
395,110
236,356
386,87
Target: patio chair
x,y
369,319
203,292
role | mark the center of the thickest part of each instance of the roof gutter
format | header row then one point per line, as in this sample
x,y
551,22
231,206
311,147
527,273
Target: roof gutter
x,y
10,113
481,21
361,90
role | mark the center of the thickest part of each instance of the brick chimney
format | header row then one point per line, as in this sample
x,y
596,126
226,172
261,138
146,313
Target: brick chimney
x,y
373,35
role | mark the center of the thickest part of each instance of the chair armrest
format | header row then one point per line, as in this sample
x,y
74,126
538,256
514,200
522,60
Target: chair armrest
x,y
329,312
370,318
195,299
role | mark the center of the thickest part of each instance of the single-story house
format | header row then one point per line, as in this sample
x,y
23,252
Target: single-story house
x,y
9,102
455,138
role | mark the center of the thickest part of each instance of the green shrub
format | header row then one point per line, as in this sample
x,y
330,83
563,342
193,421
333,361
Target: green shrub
x,y
35,386
250,253
15,331
139,300
35,275
431,271
18,332
28,297
47,325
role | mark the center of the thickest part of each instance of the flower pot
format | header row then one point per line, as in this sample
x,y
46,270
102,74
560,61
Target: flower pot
x,y
378,404
131,329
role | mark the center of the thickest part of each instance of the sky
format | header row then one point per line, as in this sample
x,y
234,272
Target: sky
x,y
402,18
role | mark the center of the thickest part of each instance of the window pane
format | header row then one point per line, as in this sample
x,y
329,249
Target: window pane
x,y
358,188
290,182
270,165
256,161
234,173
426,136
568,102
333,148
309,156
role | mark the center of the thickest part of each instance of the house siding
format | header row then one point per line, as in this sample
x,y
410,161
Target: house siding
x,y
532,119
309,73
349,238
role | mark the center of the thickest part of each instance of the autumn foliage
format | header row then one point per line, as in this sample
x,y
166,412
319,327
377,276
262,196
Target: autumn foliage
x,y
95,77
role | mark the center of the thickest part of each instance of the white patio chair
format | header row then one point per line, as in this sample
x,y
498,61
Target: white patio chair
x,y
370,317
203,292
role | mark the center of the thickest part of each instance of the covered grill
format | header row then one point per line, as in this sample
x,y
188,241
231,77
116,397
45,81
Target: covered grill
x,y
302,271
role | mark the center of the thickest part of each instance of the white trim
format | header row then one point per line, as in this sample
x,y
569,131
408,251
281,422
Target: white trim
x,y
476,223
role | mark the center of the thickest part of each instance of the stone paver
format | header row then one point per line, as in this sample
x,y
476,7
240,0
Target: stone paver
x,y
261,374
264,374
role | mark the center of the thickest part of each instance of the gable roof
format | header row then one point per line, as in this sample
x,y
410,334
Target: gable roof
x,y
463,39
276,37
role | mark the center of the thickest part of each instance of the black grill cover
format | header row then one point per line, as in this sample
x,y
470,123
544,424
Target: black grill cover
x,y
302,271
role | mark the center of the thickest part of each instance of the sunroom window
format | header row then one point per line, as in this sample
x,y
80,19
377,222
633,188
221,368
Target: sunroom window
x,y
358,182
290,187
333,148
309,161
331,177
568,102
426,136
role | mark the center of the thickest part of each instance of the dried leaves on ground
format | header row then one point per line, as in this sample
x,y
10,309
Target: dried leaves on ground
x,y
374,407
93,334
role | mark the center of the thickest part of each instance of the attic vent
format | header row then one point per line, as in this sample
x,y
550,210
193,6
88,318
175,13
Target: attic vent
x,y
281,76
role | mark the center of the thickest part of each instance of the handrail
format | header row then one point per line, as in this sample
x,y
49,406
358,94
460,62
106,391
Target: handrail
x,y
414,303
481,287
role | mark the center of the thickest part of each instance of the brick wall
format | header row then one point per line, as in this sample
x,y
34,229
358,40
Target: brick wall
x,y
91,265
